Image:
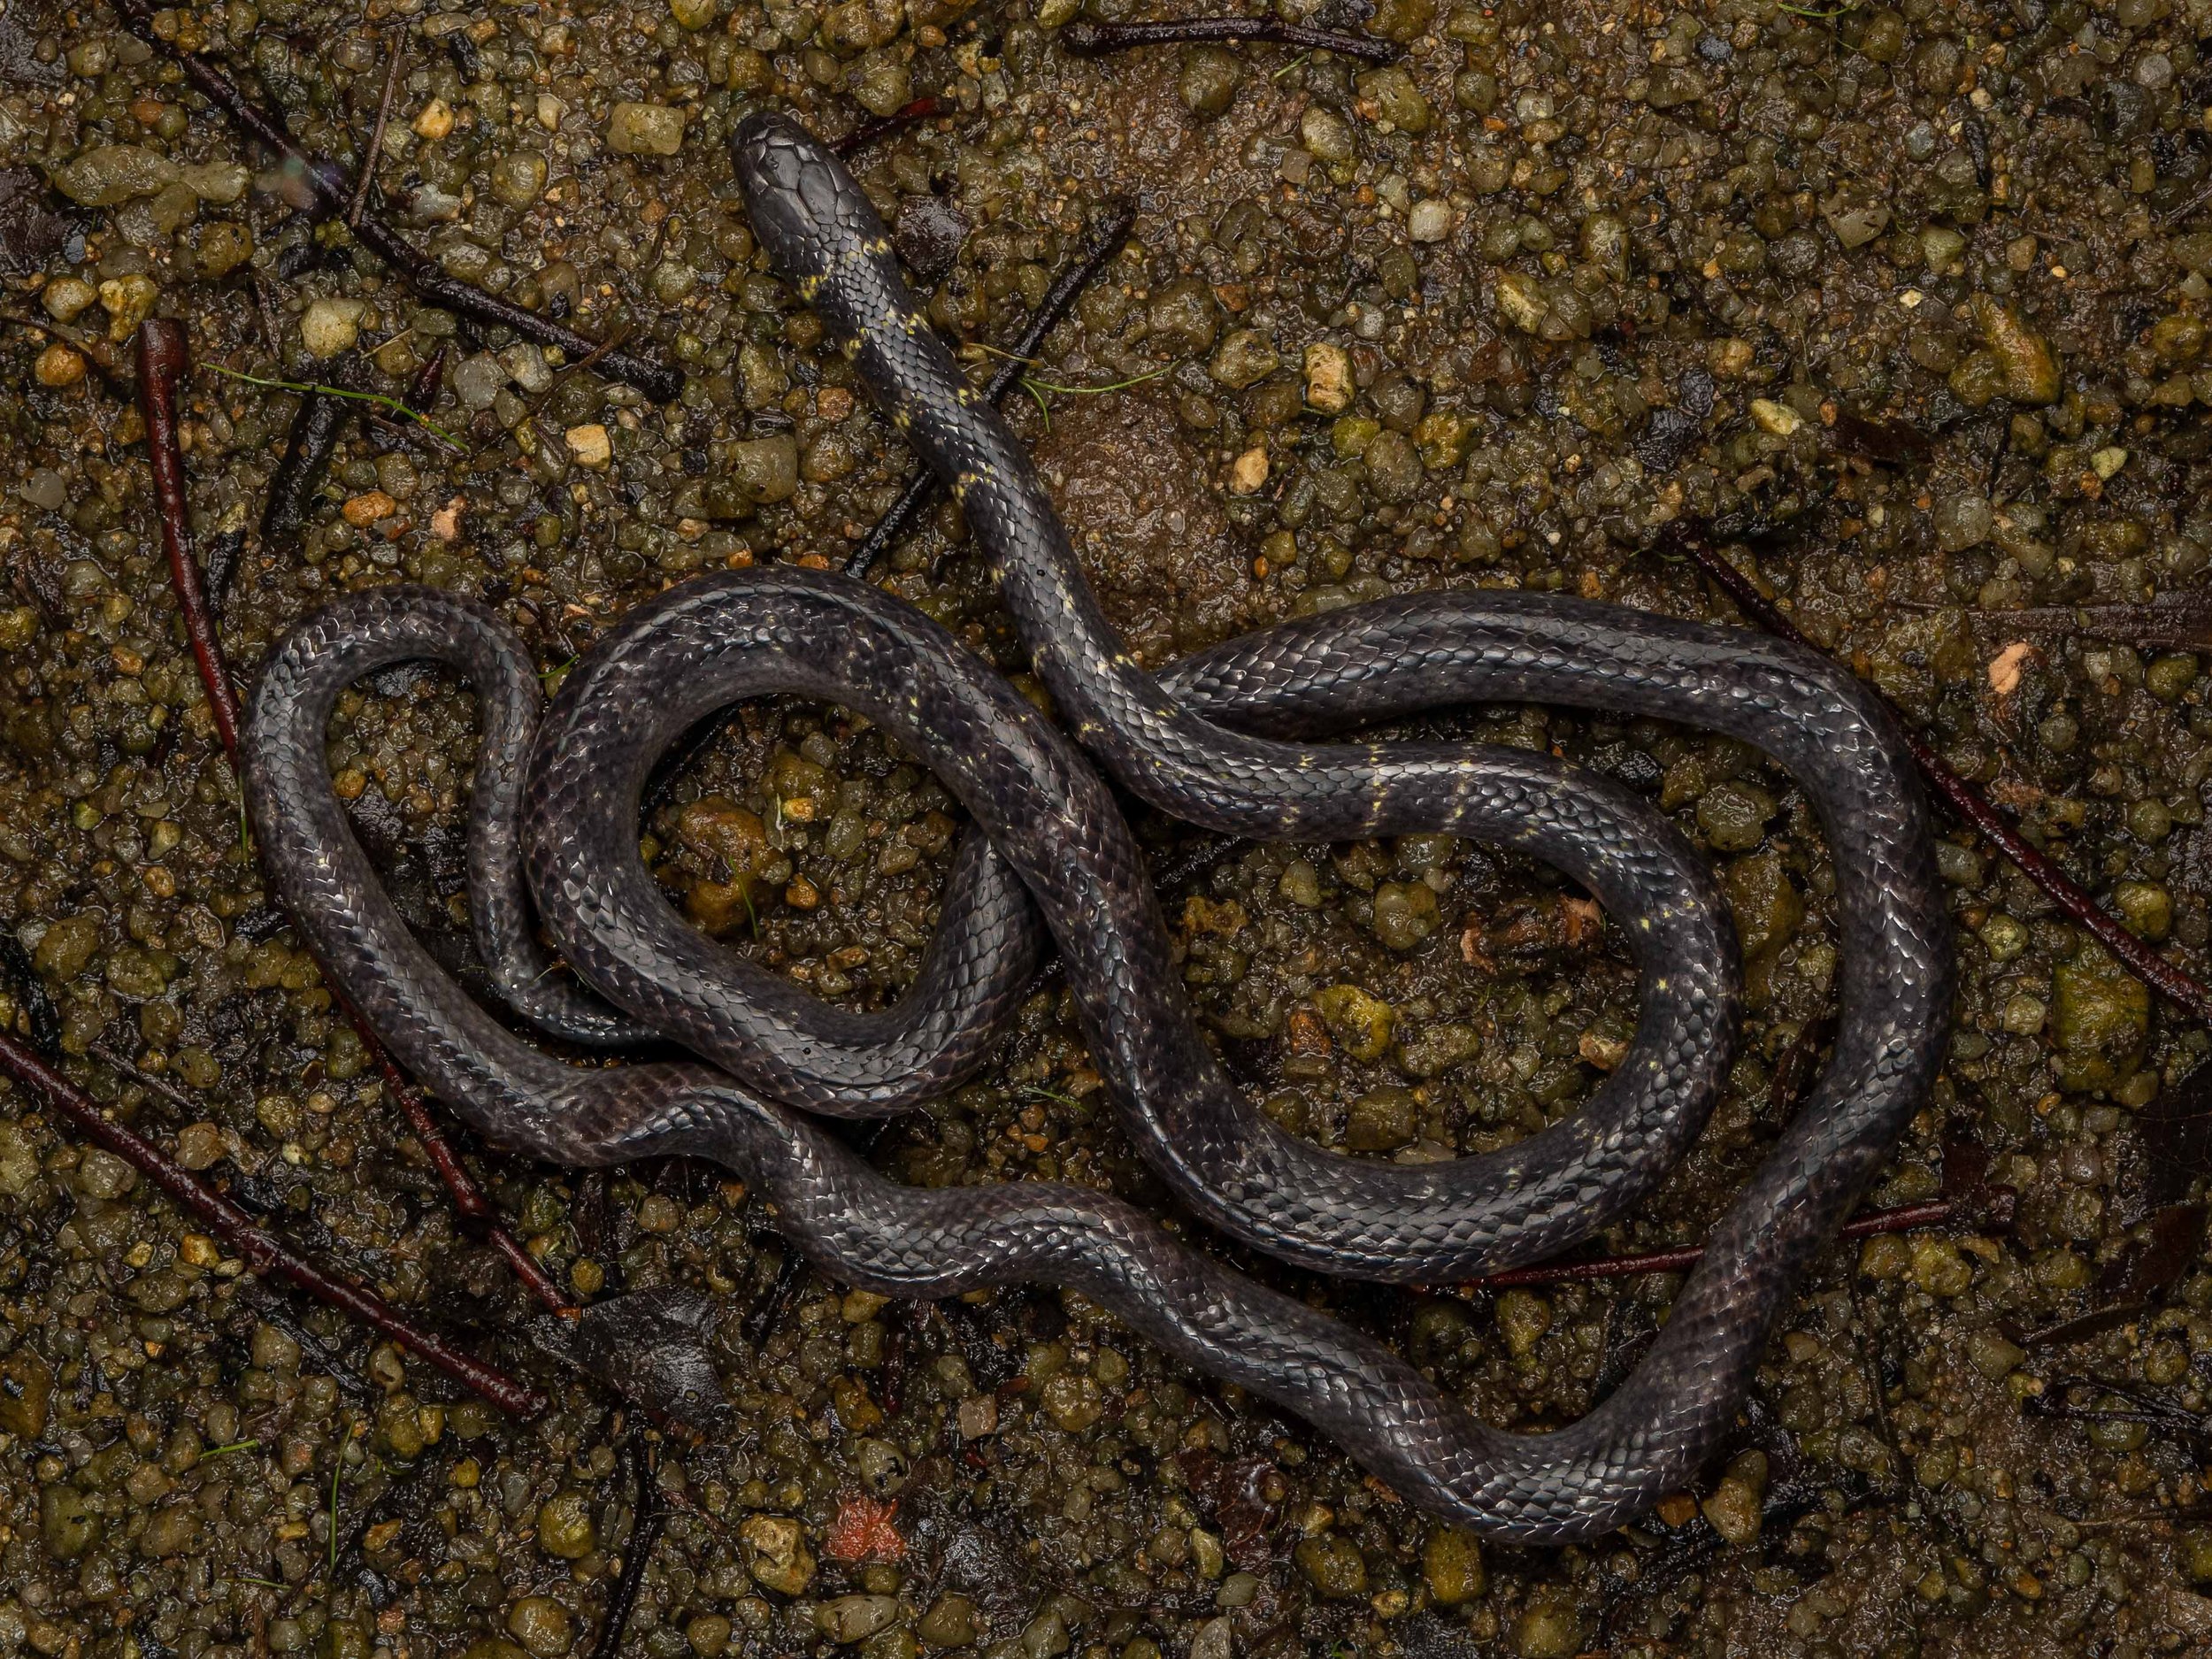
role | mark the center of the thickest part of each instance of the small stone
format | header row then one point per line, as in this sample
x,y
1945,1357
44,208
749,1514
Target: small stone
x,y
1073,1400
589,446
331,326
519,178
1547,1629
1332,1565
542,1626
65,297
708,1634
1733,816
1672,85
1735,1508
1778,418
1406,912
1327,136
1248,475
564,1526
67,1526
1521,301
1937,1268
2029,373
2105,462
27,1385
1329,388
218,183
104,1176
200,1146
645,129
846,1619
1244,355
1523,1318
1216,1640
1210,79
1430,219
1451,1562
1382,1120
59,365
368,508
2099,1020
1855,214
765,470
776,1553
950,1622
434,120
112,175
1362,1024
1992,1355
130,301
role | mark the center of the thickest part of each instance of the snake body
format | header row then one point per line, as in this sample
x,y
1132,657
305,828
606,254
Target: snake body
x,y
1222,739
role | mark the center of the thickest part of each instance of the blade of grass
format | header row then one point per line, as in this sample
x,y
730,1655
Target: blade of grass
x,y
395,405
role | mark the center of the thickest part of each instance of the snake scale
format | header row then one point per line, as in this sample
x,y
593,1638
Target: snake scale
x,y
1223,739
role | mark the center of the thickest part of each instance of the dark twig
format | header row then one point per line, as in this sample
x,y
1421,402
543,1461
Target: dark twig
x,y
1058,301
261,1250
364,172
317,424
322,188
1091,40
162,360
645,1533
1903,1219
1963,799
927,109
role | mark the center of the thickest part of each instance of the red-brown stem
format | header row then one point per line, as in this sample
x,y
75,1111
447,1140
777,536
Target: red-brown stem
x,y
1903,1219
1091,40
261,1250
925,109
162,360
1963,799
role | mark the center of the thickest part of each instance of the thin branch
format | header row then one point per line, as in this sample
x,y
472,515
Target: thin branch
x,y
364,181
925,109
163,359
645,1533
1094,40
1963,799
1933,1213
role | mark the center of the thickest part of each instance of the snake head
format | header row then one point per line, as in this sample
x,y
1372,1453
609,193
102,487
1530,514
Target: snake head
x,y
804,206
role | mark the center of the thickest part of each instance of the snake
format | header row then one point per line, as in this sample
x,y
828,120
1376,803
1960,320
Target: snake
x,y
1257,737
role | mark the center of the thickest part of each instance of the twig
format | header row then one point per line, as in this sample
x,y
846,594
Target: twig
x,y
317,424
261,1250
1058,301
645,1533
116,1060
1091,40
1963,799
866,134
162,359
365,179
325,187
1903,1219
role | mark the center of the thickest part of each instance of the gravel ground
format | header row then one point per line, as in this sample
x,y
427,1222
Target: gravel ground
x,y
1907,305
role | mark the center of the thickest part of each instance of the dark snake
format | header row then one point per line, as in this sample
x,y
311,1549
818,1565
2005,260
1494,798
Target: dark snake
x,y
1212,741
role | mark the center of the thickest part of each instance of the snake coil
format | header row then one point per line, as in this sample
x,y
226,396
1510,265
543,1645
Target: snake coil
x,y
1218,740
